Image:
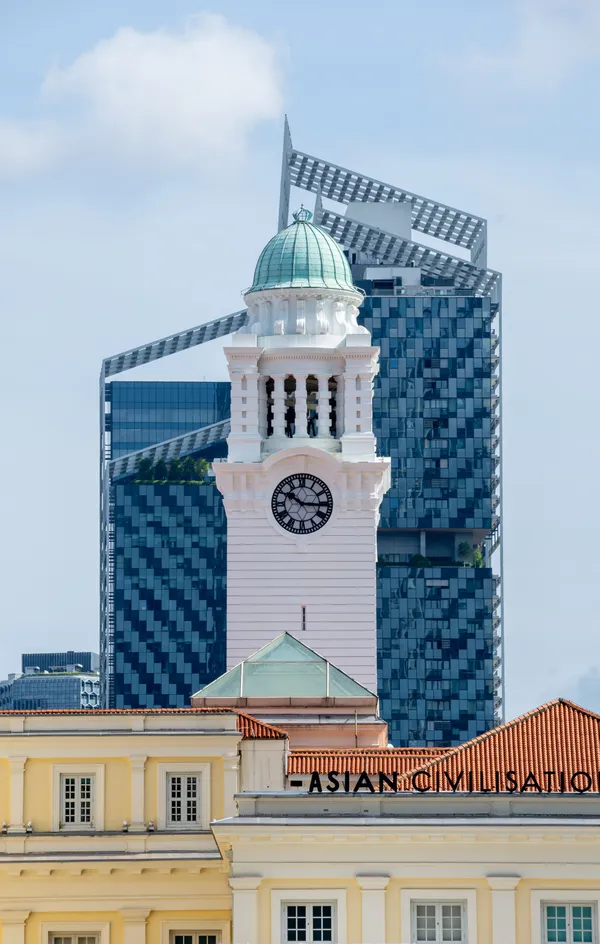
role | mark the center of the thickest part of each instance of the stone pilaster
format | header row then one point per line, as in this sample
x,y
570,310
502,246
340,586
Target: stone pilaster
x,y
17,778
245,908
373,907
504,929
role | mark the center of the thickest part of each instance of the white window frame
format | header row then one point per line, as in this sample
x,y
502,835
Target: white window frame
x,y
309,905
550,896
96,771
309,896
468,896
438,907
202,771
72,928
194,926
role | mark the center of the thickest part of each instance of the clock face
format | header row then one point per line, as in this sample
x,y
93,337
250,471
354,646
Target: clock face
x,y
302,504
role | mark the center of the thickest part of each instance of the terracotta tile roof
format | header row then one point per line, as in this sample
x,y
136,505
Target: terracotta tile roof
x,y
355,760
253,728
558,736
248,726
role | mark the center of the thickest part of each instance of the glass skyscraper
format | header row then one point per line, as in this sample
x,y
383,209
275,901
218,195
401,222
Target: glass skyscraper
x,y
164,608
435,416
435,316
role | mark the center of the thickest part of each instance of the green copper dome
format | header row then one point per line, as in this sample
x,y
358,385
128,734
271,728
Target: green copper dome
x,y
302,256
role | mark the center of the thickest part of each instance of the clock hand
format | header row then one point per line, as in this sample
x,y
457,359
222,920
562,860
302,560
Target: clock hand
x,y
307,504
296,499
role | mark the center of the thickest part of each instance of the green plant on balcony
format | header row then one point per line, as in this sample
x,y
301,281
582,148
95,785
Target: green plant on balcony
x,y
188,471
477,558
417,560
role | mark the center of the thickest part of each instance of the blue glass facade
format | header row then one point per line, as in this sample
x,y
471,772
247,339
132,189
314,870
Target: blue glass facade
x,y
163,610
143,414
433,409
436,652
52,690
169,589
435,415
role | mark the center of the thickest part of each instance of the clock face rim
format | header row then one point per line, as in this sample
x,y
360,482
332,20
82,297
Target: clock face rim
x,y
289,527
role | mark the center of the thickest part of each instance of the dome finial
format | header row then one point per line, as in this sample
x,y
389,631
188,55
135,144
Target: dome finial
x,y
302,215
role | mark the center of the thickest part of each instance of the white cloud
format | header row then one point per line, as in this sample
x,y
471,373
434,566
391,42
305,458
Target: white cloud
x,y
553,38
25,148
172,98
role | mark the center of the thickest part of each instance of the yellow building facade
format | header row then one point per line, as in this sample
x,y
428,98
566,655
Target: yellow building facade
x,y
204,826
493,842
408,870
106,817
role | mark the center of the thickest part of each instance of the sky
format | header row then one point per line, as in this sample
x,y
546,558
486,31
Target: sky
x,y
140,147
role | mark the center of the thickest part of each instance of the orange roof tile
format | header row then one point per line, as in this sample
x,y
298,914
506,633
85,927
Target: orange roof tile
x,y
253,728
355,760
558,737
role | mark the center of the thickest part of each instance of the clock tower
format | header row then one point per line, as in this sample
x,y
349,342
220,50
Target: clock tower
x,y
302,483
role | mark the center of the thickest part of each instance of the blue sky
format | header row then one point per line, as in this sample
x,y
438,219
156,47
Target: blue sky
x,y
139,164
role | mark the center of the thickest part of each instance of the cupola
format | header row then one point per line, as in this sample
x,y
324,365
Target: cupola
x,y
302,256
303,286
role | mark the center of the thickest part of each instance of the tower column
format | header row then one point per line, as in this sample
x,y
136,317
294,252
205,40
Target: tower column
x,y
244,439
279,404
263,407
301,421
366,402
236,403
323,380
251,405
339,405
350,421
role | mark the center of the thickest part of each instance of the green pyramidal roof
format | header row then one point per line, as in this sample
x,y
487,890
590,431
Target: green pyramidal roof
x,y
302,256
285,668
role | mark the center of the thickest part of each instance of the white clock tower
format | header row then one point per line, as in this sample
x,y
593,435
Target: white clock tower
x,y
302,484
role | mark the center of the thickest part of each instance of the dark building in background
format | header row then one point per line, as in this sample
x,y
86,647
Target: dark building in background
x,y
141,414
35,691
89,661
435,316
57,680
434,413
164,552
170,559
